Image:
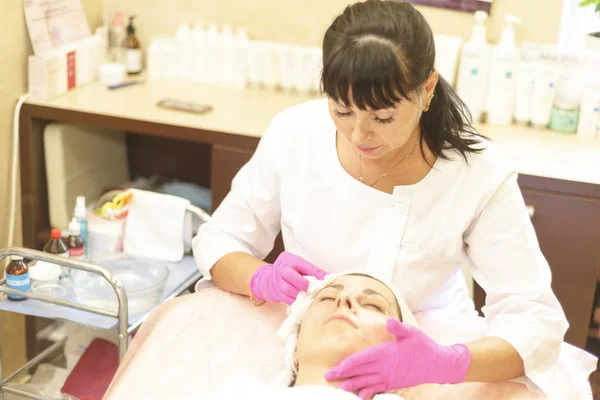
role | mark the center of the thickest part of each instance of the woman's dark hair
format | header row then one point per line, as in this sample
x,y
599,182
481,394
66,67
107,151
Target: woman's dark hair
x,y
384,51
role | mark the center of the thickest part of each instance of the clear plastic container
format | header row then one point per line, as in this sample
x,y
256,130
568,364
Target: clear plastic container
x,y
143,281
50,289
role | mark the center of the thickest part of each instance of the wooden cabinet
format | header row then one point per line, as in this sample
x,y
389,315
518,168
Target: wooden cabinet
x,y
226,162
566,219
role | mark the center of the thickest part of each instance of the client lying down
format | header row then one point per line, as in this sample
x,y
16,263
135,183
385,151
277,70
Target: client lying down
x,y
215,345
341,316
335,318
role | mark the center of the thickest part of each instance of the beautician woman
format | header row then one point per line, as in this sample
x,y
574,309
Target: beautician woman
x,y
387,174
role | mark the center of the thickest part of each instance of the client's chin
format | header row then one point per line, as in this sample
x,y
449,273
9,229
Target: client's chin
x,y
335,343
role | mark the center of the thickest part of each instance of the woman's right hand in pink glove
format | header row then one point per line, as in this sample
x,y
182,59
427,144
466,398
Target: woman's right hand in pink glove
x,y
284,279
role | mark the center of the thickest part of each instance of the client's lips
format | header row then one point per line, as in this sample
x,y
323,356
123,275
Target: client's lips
x,y
367,149
342,317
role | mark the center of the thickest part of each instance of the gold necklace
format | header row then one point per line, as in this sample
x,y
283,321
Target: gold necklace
x,y
390,170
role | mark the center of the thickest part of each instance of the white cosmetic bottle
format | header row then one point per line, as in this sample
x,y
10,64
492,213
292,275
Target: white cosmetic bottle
x,y
226,70
213,60
589,118
526,76
241,41
543,96
184,50
474,68
502,81
199,53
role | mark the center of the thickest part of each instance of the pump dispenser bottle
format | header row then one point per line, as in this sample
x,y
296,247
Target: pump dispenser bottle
x,y
474,68
133,52
503,76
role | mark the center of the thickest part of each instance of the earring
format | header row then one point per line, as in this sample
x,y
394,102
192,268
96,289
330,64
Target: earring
x,y
429,103
295,364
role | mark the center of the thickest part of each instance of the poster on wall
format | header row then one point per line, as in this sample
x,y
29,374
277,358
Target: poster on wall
x,y
53,23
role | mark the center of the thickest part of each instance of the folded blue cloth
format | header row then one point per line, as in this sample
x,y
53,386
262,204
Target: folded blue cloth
x,y
199,196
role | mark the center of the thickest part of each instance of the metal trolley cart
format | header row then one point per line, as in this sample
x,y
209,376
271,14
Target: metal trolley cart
x,y
182,276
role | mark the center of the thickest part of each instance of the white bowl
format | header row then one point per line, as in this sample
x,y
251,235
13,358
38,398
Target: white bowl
x,y
45,272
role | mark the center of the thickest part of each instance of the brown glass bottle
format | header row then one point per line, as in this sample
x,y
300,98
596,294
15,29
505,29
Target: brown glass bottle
x,y
56,245
133,52
17,277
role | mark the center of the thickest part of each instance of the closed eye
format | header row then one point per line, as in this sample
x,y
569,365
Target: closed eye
x,y
341,114
327,298
384,120
374,306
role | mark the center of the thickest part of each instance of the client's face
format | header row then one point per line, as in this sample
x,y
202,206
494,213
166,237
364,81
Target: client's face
x,y
347,316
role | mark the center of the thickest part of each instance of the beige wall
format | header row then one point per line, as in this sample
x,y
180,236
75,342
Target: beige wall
x,y
305,21
15,48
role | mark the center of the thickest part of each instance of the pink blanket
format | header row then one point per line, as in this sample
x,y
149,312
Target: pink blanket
x,y
191,344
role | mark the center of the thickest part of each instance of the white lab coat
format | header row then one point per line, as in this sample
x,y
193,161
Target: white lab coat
x,y
419,237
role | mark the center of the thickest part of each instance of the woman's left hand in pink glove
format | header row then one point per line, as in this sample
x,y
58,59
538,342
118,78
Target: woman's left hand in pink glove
x,y
411,359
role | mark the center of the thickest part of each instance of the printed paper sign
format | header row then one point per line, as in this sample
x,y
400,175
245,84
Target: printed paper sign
x,y
53,23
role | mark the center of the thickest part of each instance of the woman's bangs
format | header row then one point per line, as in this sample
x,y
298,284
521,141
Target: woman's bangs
x,y
369,77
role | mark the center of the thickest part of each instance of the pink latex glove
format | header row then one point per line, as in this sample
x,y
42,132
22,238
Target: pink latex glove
x,y
284,279
412,359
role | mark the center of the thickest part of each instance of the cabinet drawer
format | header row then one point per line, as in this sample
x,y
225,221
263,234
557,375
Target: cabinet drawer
x,y
568,230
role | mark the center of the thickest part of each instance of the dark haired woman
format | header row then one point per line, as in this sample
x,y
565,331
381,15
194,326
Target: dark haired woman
x,y
388,175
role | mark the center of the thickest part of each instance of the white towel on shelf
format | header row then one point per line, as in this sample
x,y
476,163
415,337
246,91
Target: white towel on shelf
x,y
155,226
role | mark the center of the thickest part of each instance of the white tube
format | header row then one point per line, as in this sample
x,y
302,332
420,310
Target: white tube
x,y
14,167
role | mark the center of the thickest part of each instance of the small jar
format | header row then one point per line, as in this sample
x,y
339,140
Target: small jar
x,y
565,116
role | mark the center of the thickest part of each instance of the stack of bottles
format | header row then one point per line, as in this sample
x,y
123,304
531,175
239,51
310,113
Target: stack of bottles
x,y
20,277
122,45
74,244
534,85
228,57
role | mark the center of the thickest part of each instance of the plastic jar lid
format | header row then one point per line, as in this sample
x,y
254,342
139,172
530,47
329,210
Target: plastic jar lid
x,y
567,105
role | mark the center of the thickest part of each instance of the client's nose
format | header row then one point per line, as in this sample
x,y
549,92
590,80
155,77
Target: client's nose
x,y
343,300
